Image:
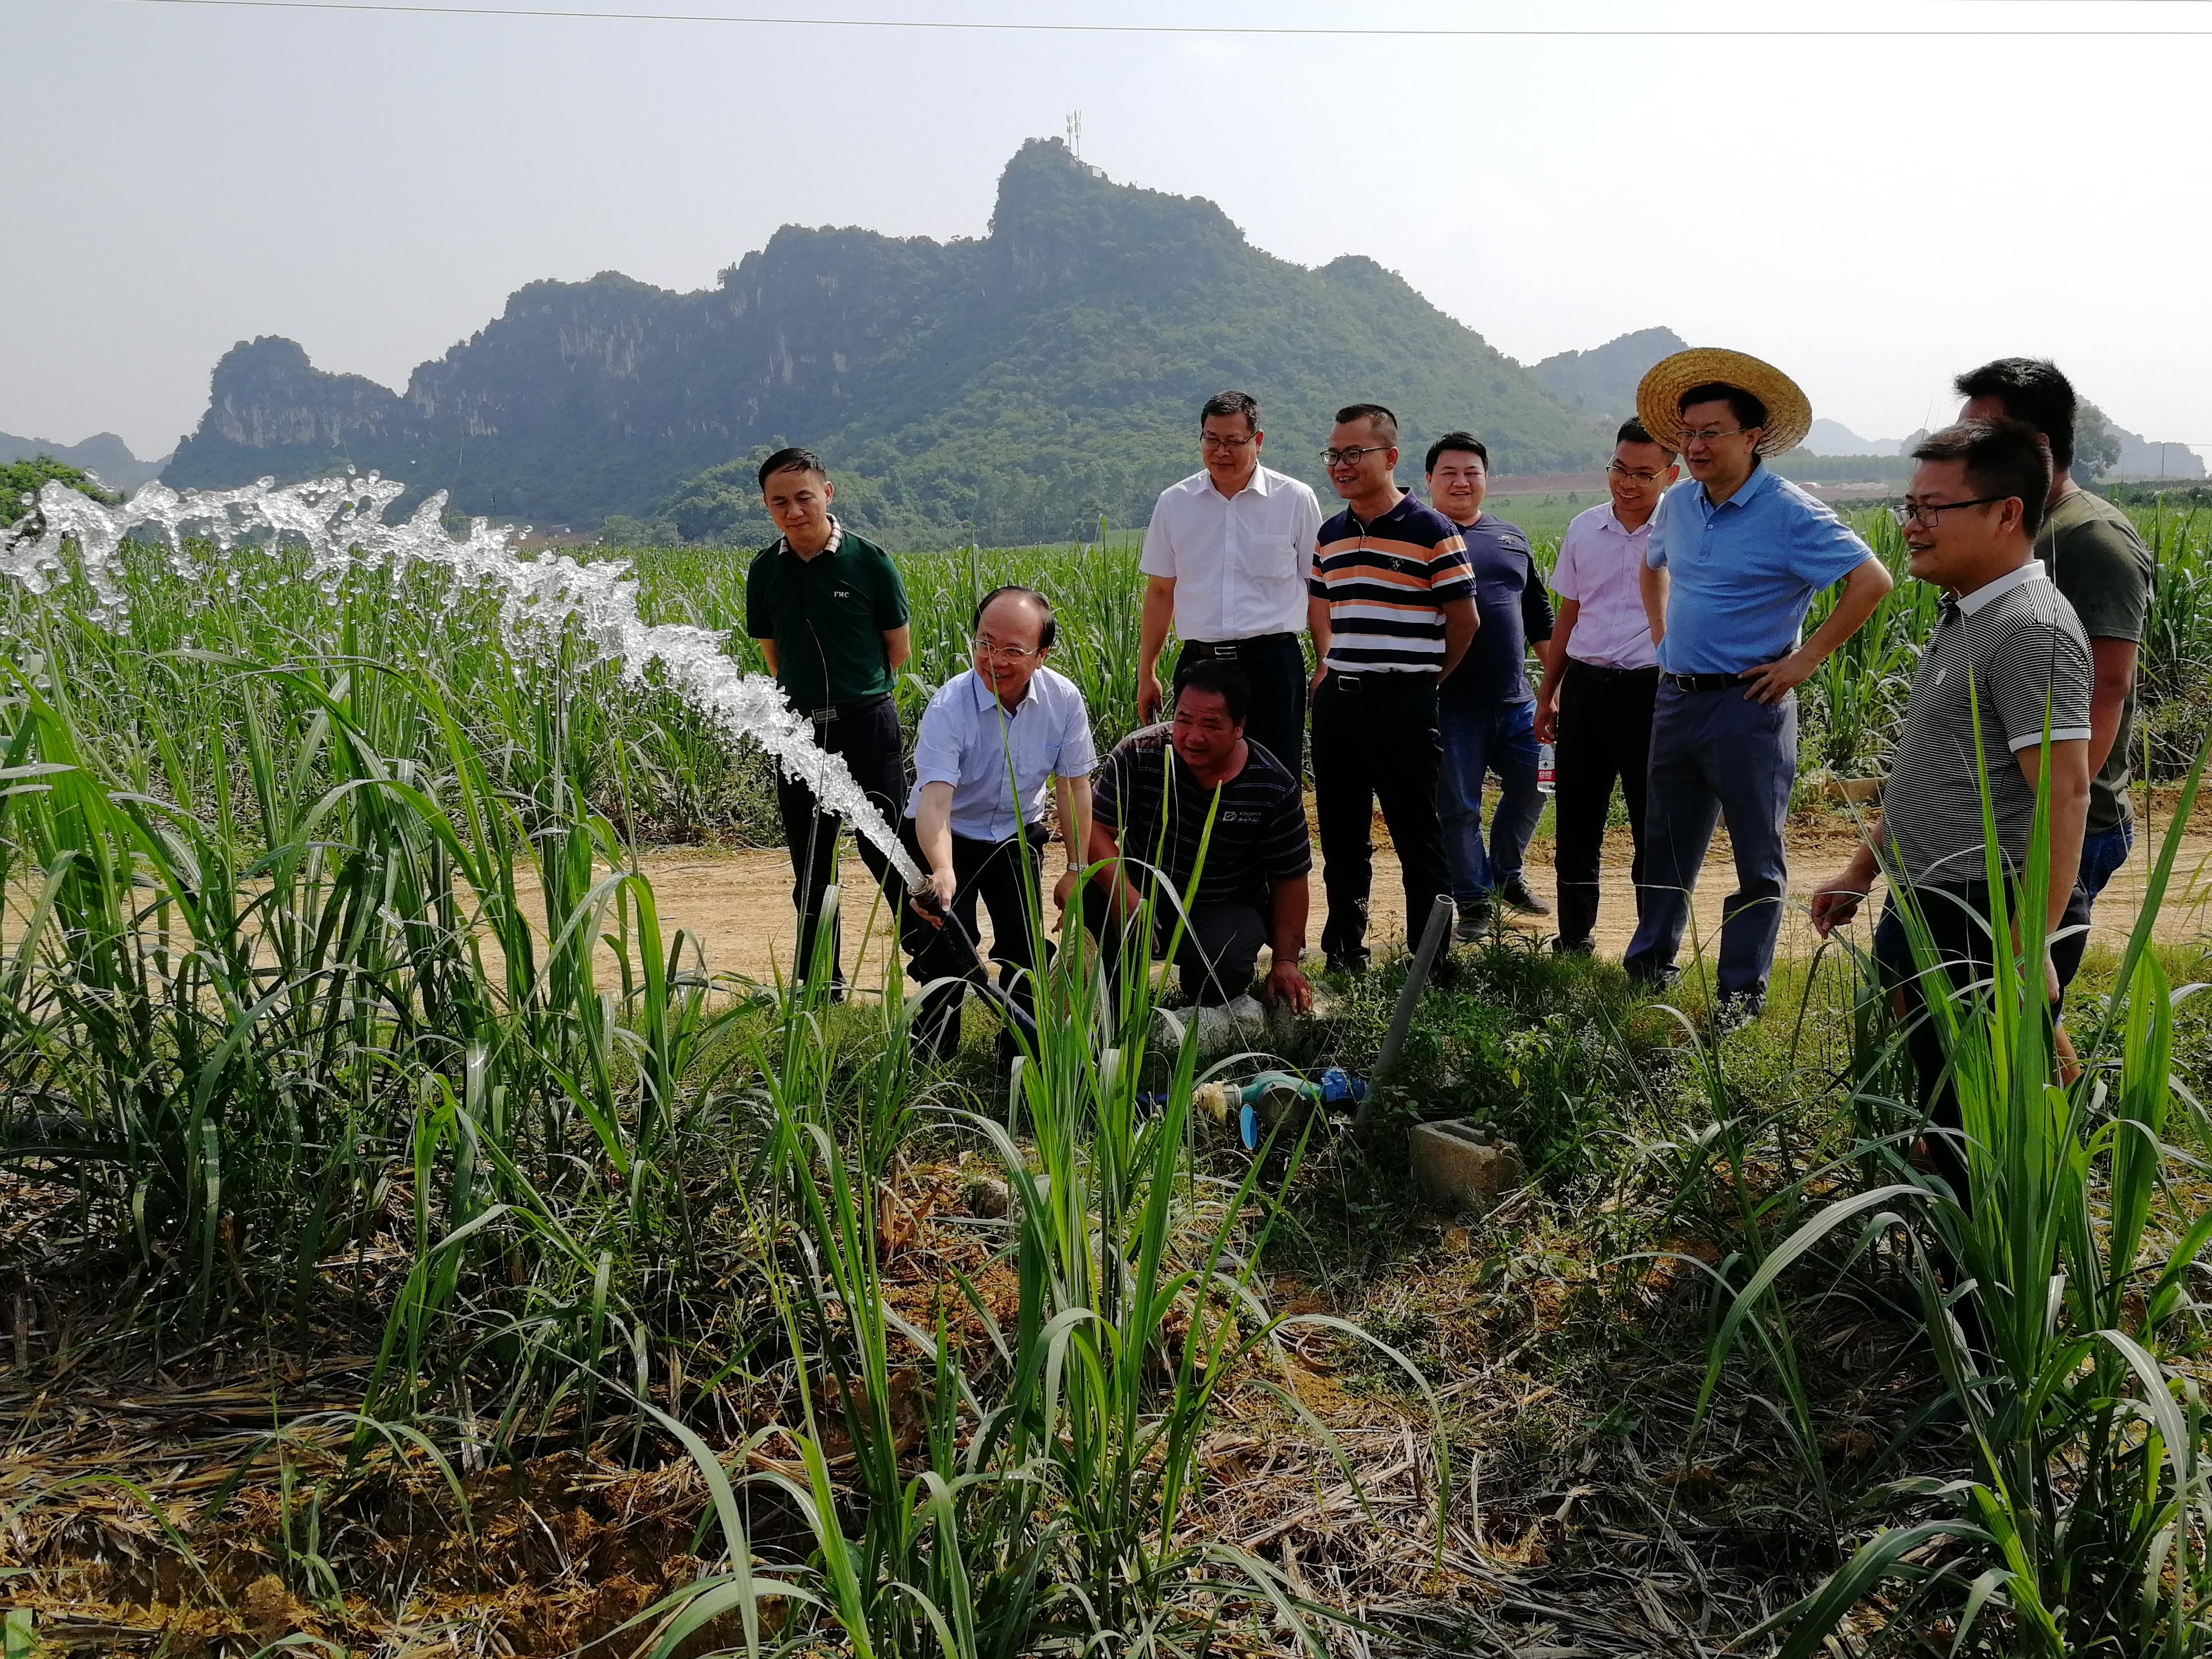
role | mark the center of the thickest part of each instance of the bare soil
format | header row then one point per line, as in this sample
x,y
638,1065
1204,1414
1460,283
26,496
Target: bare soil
x,y
738,904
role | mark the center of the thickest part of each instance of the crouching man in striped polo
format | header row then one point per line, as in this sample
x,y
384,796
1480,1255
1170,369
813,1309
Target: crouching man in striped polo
x,y
2010,654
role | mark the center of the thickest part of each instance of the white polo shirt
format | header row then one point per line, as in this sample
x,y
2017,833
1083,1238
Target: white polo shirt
x,y
1240,562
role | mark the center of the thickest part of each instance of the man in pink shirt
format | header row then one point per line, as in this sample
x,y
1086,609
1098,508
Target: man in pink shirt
x,y
1601,677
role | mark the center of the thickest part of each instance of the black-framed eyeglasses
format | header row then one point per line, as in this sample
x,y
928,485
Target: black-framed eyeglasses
x,y
1924,513
1639,475
1214,440
1352,457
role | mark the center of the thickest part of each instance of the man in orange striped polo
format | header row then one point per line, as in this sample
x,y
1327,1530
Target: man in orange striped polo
x,y
1391,608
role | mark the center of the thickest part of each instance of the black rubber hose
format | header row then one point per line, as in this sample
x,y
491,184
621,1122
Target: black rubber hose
x,y
926,901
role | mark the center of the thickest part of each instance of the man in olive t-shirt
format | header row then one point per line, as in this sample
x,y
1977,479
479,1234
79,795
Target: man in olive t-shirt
x,y
830,614
2103,569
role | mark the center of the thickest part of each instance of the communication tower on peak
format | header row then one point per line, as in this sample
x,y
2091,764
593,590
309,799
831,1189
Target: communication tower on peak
x,y
1075,133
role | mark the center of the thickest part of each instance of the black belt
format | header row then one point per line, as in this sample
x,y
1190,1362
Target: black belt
x,y
1421,680
1705,682
1229,650
845,711
1577,665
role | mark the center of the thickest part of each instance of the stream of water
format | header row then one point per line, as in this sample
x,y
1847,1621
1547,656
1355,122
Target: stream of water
x,y
341,523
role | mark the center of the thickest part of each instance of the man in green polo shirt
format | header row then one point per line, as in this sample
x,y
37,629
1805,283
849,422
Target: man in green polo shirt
x,y
830,614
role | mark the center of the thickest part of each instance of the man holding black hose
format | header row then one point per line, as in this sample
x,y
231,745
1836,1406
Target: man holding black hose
x,y
831,615
992,741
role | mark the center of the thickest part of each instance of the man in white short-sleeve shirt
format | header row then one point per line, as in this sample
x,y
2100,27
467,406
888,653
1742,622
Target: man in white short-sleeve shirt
x,y
991,742
1227,558
1601,678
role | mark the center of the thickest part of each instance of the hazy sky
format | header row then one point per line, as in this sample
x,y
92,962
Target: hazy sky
x,y
1872,211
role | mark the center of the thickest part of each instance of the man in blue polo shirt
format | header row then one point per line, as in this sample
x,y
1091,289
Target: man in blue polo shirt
x,y
991,741
1736,555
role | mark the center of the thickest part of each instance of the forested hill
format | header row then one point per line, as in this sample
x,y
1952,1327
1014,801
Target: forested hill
x,y
1012,387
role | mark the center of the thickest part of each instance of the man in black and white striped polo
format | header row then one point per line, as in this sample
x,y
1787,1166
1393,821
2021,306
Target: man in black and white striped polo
x,y
2010,655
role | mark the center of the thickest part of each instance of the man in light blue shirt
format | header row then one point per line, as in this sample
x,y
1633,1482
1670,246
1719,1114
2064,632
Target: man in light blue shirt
x,y
990,742
1736,556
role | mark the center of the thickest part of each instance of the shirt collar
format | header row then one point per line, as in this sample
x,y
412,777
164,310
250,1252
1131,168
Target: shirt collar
x,y
1405,504
1612,520
836,538
2019,576
1762,479
986,699
1258,486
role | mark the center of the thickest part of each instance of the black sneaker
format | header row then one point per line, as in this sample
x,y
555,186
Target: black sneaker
x,y
1336,964
1516,894
1574,947
1474,924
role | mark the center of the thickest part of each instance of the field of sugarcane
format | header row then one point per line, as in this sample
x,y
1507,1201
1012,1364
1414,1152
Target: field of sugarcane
x,y
410,1244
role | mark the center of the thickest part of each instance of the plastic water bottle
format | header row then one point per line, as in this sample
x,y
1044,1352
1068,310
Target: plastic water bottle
x,y
1544,770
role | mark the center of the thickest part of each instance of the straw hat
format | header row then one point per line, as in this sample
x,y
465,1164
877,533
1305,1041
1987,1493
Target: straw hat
x,y
1789,415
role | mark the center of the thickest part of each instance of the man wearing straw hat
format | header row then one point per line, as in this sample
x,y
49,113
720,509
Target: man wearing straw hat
x,y
1736,555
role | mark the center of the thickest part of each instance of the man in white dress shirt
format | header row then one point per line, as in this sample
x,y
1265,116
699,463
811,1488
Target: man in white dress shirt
x,y
1601,678
1227,558
990,741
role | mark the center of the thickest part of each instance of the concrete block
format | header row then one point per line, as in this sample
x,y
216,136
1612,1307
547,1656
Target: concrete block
x,y
1459,1166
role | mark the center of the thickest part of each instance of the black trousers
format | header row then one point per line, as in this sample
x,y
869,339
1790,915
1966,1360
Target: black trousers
x,y
867,735
1375,738
1275,666
1002,877
1958,922
1215,959
1605,737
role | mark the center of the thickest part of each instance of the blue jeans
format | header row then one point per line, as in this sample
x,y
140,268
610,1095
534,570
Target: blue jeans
x,y
1716,755
1480,739
2102,854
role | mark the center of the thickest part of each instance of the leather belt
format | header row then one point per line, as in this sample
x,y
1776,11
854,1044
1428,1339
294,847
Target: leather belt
x,y
1421,680
1576,665
1230,650
1705,682
846,710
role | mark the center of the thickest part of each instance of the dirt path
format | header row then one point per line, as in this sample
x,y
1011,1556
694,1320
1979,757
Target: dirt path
x,y
738,903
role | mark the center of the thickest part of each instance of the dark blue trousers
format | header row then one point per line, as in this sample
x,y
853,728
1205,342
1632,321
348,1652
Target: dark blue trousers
x,y
1716,757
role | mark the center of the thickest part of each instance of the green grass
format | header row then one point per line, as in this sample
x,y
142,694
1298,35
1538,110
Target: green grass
x,y
290,1067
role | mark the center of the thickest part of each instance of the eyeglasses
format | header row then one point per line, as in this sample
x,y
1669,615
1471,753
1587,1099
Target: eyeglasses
x,y
1352,457
1706,434
1923,512
1211,440
1640,475
1006,653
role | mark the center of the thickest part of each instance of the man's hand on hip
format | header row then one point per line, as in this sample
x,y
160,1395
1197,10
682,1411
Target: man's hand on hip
x,y
1771,682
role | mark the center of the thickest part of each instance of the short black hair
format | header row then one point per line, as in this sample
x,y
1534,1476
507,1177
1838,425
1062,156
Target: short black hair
x,y
2032,389
1232,403
1045,635
2002,457
1225,679
1381,419
1633,432
1465,441
791,460
1747,409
